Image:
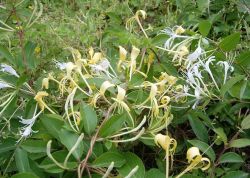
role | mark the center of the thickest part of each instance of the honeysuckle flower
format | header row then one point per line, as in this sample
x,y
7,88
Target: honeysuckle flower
x,y
105,85
4,84
69,103
179,30
76,54
61,65
169,145
119,101
136,18
102,67
95,57
8,69
134,54
122,59
26,130
45,83
39,98
191,58
123,53
207,68
196,161
227,67
180,53
173,34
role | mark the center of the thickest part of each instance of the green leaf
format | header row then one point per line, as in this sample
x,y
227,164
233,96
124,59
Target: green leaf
x,y
203,5
7,145
34,146
230,83
29,54
231,157
112,125
89,118
159,39
198,127
69,139
229,43
204,27
106,158
240,143
236,174
22,161
132,160
204,148
4,52
245,124
154,173
49,166
244,59
241,90
53,123
220,132
24,175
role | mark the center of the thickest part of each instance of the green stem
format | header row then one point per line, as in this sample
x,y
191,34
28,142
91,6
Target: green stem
x,y
167,162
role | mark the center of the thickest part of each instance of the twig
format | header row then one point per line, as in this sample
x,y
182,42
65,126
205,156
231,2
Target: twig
x,y
83,164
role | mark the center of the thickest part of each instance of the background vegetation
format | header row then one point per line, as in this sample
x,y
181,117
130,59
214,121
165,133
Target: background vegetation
x,y
36,34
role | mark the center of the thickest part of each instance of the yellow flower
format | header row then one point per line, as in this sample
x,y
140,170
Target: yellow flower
x,y
134,54
123,53
94,57
39,98
37,50
196,161
45,83
76,54
119,102
179,30
194,157
166,142
105,85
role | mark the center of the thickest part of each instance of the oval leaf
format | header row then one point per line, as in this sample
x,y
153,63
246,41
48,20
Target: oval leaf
x,y
231,157
24,175
245,124
240,143
204,27
132,161
89,118
105,159
198,127
230,42
112,125
22,161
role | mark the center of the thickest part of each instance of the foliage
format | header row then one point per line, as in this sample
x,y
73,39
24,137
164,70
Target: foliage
x,y
124,88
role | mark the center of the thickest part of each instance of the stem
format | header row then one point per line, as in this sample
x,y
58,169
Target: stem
x,y
83,163
139,23
167,162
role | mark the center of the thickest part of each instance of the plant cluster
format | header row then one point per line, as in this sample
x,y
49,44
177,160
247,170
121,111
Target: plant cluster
x,y
124,95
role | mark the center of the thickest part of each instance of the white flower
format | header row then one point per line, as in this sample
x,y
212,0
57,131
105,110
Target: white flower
x,y
227,67
26,130
194,56
207,68
8,69
172,35
61,65
4,85
102,67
